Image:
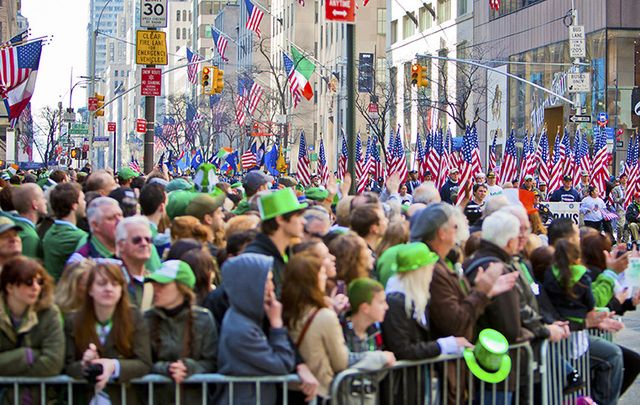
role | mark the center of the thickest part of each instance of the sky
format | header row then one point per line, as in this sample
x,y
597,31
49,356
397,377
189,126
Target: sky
x,y
66,21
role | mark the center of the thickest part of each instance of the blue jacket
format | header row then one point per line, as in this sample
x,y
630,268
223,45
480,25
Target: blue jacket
x,y
562,195
244,349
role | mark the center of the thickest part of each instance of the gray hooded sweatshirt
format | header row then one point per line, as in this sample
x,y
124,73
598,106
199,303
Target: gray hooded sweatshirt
x,y
244,349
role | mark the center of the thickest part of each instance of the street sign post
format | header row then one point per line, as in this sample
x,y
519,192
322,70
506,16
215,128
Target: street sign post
x,y
579,82
579,118
151,47
153,13
151,82
340,10
79,129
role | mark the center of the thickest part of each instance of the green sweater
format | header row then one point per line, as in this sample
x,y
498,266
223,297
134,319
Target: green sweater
x,y
58,244
31,243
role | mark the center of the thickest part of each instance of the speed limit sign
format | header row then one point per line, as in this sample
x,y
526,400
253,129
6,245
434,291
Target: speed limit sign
x,y
153,13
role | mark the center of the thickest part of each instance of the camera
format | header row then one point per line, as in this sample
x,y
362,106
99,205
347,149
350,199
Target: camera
x,y
92,372
630,245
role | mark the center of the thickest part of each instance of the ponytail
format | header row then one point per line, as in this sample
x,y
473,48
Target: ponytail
x,y
566,255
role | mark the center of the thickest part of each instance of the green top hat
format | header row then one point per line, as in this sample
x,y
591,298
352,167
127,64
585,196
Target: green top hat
x,y
489,360
279,202
403,258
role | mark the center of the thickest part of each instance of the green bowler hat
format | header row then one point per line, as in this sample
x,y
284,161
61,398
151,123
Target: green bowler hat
x,y
279,202
489,360
404,258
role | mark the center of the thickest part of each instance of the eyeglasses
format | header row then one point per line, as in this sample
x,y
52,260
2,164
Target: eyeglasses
x,y
136,240
31,281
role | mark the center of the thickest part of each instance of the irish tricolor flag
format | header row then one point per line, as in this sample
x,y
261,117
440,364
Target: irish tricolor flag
x,y
303,71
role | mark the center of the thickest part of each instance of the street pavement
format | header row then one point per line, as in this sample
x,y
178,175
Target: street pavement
x,y
630,337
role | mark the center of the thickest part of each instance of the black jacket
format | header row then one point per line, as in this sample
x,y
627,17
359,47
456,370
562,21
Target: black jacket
x,y
633,213
263,245
445,191
571,308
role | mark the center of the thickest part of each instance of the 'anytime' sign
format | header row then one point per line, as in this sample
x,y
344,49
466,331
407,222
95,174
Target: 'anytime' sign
x,y
151,47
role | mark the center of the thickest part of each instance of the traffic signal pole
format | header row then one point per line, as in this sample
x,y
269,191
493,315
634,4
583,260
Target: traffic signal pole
x,y
351,110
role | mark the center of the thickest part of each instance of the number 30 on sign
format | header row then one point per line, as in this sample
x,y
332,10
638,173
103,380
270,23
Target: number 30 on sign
x,y
153,13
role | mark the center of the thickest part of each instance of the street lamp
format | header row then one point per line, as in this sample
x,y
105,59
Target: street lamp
x,y
93,76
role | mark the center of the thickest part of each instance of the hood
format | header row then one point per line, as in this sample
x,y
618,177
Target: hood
x,y
243,279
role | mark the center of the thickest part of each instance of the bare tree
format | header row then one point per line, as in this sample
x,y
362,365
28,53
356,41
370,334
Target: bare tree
x,y
383,95
46,126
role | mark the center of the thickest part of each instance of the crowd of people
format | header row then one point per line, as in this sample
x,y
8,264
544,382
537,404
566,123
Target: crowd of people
x,y
111,277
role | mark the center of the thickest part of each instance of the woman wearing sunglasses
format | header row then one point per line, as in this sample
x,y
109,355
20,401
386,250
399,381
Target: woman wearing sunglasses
x,y
107,337
31,337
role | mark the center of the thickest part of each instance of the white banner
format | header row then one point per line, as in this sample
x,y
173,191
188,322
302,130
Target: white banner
x,y
565,210
497,96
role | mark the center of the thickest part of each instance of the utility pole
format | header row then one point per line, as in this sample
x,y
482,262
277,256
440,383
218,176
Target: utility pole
x,y
149,116
351,111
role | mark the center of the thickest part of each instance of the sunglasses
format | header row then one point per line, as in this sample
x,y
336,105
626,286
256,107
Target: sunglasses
x,y
136,240
31,281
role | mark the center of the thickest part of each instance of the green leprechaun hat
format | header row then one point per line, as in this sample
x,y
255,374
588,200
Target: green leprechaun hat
x,y
489,360
279,202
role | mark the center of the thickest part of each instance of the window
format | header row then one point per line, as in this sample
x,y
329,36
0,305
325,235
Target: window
x,y
381,70
184,15
382,21
189,15
177,33
463,7
425,19
184,33
394,31
177,15
444,11
408,26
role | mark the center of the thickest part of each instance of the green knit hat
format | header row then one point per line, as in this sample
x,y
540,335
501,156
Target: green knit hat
x,y
279,202
316,193
178,201
174,270
361,290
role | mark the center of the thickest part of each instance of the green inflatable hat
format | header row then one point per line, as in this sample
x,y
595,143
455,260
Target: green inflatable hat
x,y
489,359
279,202
205,179
178,201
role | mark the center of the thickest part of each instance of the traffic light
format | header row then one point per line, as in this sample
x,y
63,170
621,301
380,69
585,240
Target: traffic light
x,y
218,80
75,153
100,105
423,81
415,73
207,83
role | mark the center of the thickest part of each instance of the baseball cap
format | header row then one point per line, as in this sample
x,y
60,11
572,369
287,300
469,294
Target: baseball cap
x,y
127,173
174,270
254,179
491,175
204,204
528,177
427,220
542,183
584,173
6,224
480,174
453,170
567,177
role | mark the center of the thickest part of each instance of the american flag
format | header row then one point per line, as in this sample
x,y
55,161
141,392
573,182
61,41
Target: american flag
x,y
433,157
192,123
492,153
556,167
254,91
583,158
342,158
600,162
377,167
631,170
241,114
254,17
568,154
248,158
542,157
476,165
361,167
22,36
447,150
526,157
400,158
420,155
192,68
466,167
169,132
323,169
304,170
509,168
18,75
446,159
133,164
294,88
494,4
221,43
390,157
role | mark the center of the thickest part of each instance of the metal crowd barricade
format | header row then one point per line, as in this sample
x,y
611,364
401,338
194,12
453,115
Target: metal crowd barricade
x,y
16,384
429,382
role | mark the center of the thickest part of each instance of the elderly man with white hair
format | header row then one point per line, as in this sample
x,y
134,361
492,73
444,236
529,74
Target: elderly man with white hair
x,y
134,247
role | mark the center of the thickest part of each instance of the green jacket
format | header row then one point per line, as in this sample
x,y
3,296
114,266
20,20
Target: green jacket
x,y
31,243
40,331
58,244
603,287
